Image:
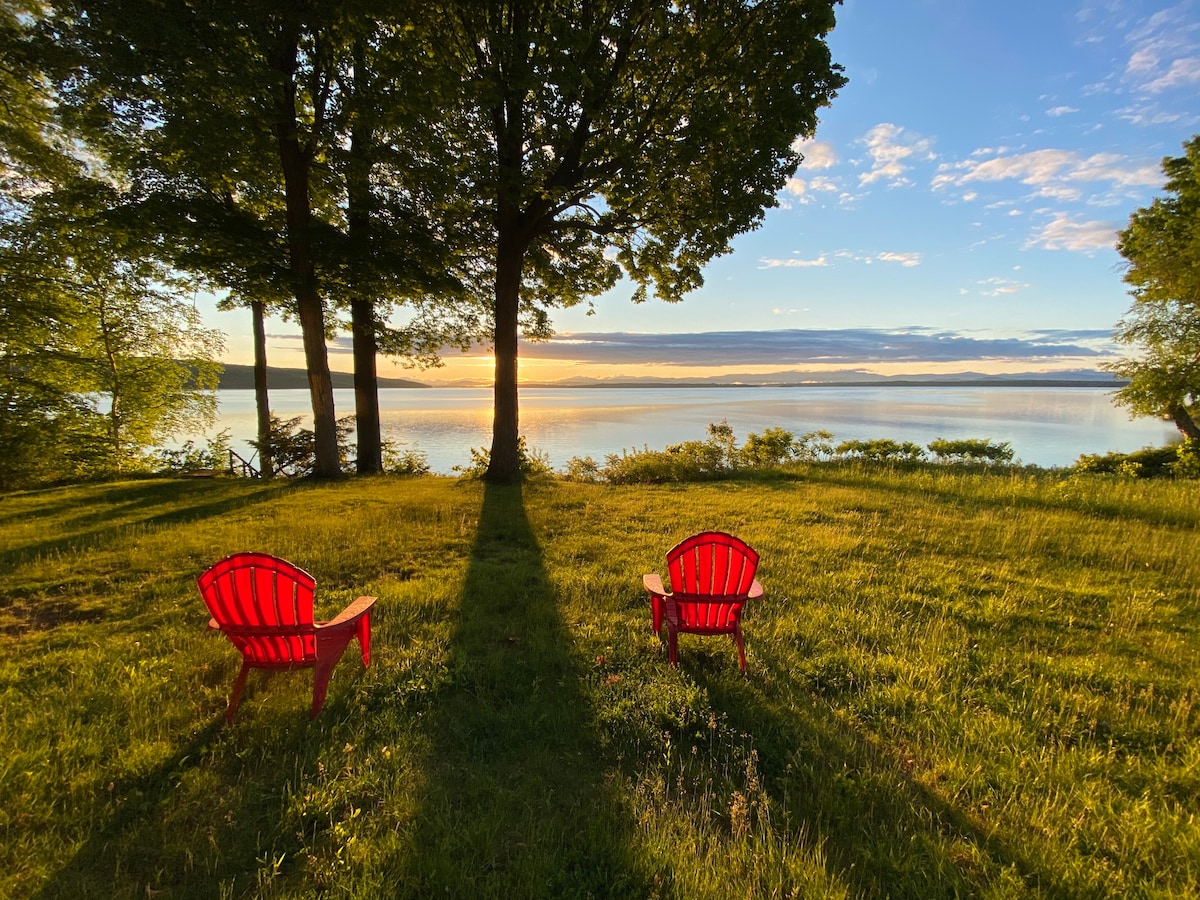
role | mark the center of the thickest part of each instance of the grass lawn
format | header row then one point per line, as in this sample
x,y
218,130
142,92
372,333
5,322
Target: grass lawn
x,y
959,685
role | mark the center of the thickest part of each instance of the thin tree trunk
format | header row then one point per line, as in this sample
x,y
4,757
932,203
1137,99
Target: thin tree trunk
x,y
366,387
362,307
262,403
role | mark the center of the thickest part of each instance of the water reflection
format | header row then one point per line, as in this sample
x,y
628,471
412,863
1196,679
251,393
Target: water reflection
x,y
1046,426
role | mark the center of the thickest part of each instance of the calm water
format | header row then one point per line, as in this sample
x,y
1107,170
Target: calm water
x,y
1046,426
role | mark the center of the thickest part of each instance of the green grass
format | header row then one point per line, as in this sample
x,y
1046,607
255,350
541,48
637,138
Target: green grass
x,y
960,685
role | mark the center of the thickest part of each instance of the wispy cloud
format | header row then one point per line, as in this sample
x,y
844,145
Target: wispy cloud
x,y
1066,233
789,347
1164,50
908,260
1057,111
892,151
1052,173
998,287
793,262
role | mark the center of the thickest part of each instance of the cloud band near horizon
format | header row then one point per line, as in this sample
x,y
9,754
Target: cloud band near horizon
x,y
847,346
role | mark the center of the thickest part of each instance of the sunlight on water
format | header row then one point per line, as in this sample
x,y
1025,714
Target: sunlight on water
x,y
1046,426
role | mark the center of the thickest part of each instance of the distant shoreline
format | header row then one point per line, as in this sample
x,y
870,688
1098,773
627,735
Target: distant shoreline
x,y
347,383
241,377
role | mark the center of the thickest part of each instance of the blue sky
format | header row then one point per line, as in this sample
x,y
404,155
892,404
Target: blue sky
x,y
956,210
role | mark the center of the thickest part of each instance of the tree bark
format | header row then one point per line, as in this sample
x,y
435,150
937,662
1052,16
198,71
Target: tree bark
x,y
362,307
504,462
296,164
1185,423
366,387
262,403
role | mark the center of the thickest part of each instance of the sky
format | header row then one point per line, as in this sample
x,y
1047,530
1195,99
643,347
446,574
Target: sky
x,y
955,212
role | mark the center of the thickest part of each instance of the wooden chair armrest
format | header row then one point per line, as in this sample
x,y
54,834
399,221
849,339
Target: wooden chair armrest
x,y
653,584
352,612
214,625
756,591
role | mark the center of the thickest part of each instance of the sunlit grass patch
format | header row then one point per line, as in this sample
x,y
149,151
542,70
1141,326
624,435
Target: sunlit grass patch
x,y
959,684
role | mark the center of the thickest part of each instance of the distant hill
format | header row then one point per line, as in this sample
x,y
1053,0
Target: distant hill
x,y
238,377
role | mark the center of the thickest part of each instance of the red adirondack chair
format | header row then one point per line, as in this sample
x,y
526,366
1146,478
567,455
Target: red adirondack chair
x,y
712,577
265,606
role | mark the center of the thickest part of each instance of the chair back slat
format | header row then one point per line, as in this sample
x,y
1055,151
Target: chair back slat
x,y
265,606
711,573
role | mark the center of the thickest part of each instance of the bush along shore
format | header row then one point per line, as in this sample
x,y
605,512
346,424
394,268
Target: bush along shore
x,y
962,682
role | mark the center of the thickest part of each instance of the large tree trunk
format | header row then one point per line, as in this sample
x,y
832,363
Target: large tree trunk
x,y
262,403
504,463
1185,423
296,164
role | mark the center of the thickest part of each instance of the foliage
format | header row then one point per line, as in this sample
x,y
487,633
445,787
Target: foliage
x,y
102,355
534,463
971,450
1162,247
213,455
571,116
1177,461
404,461
959,686
881,450
293,448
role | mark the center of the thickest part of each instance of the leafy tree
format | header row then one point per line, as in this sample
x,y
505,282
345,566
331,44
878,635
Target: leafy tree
x,y
1162,247
101,354
623,136
257,135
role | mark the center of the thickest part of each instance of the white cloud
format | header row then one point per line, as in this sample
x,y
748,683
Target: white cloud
x,y
1182,72
794,263
908,260
1053,173
817,154
890,148
821,183
1057,111
1065,233
970,195
998,287
1164,51
796,186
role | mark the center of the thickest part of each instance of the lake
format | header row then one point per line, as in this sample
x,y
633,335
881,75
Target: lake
x,y
1047,426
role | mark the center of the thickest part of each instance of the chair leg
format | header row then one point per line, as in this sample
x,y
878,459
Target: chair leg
x,y
238,684
322,672
740,643
364,638
656,613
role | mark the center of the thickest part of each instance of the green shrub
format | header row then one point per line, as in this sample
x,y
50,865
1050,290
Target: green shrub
x,y
971,450
773,447
881,450
532,462
1150,462
404,462
189,457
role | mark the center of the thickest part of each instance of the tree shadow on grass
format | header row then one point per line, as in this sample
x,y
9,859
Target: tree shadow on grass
x,y
515,801
883,833
138,504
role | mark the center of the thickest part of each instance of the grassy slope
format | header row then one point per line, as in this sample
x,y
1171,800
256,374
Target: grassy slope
x,y
959,686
